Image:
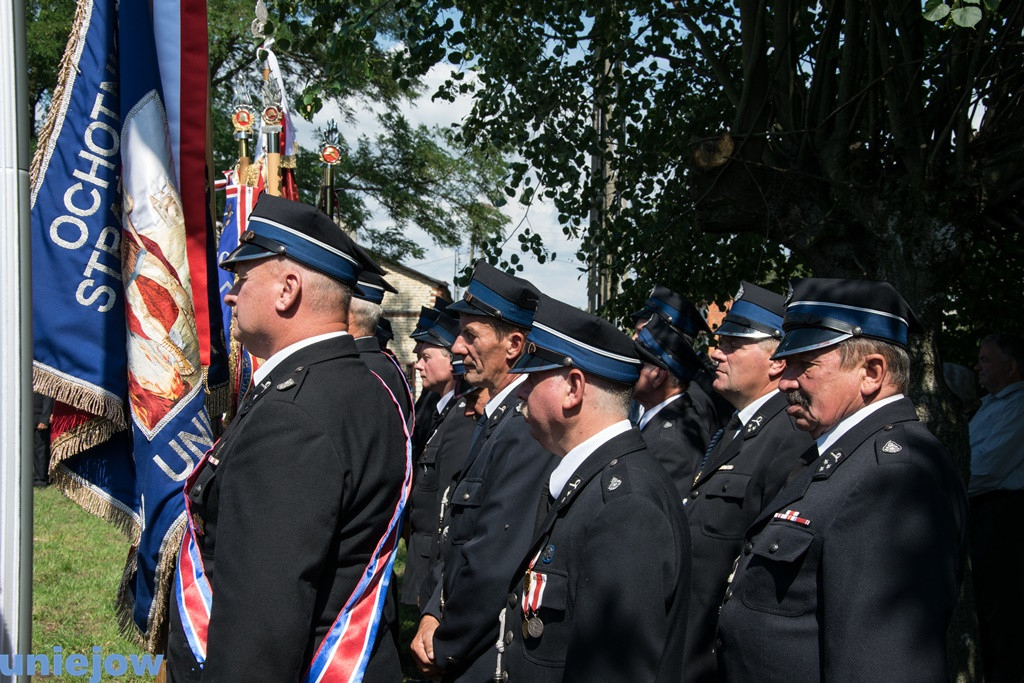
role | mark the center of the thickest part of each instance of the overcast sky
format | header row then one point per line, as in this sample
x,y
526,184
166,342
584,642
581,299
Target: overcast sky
x,y
560,278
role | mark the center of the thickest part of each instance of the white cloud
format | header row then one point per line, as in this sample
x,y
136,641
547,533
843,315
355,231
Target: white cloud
x,y
559,278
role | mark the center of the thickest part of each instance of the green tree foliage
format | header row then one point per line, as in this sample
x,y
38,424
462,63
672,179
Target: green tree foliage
x,y
346,56
47,25
758,139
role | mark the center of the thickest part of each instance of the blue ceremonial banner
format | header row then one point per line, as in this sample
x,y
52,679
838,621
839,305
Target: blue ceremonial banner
x,y
115,327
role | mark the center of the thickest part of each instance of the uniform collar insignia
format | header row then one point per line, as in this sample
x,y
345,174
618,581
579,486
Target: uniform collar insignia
x,y
754,424
614,483
891,447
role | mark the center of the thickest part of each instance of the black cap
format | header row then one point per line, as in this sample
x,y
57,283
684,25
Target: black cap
x,y
498,295
564,336
303,233
662,344
674,308
371,287
756,313
822,312
384,333
441,332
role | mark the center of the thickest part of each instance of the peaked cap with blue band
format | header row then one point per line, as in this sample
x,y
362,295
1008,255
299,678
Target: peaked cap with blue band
x,y
674,308
426,319
384,332
563,336
303,233
664,345
496,294
371,287
441,332
822,312
756,313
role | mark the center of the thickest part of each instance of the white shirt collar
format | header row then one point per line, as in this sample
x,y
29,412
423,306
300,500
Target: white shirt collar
x,y
443,401
574,458
755,406
497,400
826,440
651,412
264,370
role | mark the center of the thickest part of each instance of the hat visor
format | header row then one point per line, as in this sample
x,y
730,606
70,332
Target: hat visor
x,y
244,252
648,356
642,314
529,362
464,306
803,339
730,328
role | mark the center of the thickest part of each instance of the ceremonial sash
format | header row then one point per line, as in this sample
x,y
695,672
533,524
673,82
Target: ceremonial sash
x,y
345,650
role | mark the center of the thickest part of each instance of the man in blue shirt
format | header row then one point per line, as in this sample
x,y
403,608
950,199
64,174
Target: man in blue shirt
x,y
996,491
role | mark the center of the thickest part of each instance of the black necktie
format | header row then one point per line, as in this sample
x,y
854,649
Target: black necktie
x,y
729,429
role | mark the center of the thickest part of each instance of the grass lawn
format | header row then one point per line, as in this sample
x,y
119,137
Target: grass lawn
x,y
77,563
78,560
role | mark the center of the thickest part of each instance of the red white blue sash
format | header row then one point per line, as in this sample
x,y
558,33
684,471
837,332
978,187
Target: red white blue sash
x,y
191,586
345,650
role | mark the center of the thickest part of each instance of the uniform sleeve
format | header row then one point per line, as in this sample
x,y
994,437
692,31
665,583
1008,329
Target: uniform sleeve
x,y
630,573
890,574
493,552
280,492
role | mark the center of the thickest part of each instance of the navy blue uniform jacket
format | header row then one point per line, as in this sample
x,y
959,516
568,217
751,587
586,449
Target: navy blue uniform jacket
x,y
491,515
434,467
309,473
614,552
677,437
852,571
741,476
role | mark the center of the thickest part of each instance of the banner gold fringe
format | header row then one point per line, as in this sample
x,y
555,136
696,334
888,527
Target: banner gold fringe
x,y
64,72
81,438
218,398
74,488
77,396
289,161
153,640
124,606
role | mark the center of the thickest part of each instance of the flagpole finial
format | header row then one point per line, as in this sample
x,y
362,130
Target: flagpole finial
x,y
260,22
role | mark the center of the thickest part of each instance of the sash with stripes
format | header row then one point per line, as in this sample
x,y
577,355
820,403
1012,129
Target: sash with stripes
x,y
345,650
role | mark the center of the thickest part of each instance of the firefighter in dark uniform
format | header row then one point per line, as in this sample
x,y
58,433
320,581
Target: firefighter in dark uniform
x,y
602,592
493,500
672,427
744,469
852,571
364,315
426,402
680,312
294,514
451,426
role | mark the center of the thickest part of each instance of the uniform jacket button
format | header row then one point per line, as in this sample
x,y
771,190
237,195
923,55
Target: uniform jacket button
x,y
508,638
512,599
773,547
694,494
465,496
748,548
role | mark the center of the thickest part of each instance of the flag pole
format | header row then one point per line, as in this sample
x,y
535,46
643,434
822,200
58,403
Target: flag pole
x,y
16,349
330,154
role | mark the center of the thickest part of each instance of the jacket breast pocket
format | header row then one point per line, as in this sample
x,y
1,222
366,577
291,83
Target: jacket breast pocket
x,y
723,516
426,478
549,649
465,503
781,577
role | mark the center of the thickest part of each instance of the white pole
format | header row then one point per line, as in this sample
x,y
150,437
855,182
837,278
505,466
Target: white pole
x,y
15,342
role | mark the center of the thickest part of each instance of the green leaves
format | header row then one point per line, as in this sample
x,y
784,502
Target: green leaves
x,y
962,13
